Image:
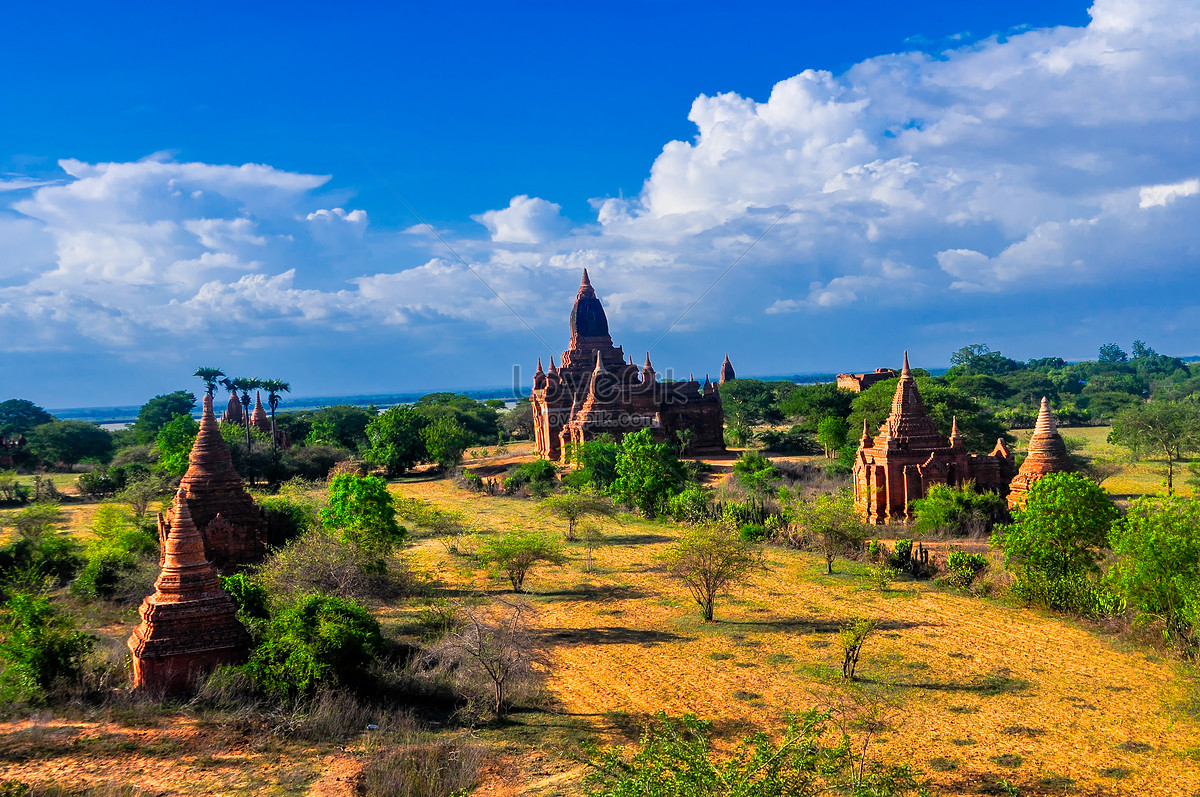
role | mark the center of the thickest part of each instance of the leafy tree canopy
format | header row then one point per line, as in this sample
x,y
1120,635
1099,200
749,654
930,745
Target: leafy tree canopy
x,y
446,440
978,359
647,473
174,444
480,420
161,410
396,441
342,425
69,442
18,416
1062,529
362,510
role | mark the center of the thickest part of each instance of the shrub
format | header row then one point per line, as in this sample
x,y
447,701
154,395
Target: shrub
x,y
675,757
958,511
316,562
647,473
964,568
493,654
752,532
851,639
793,441
361,509
313,462
540,475
287,518
319,641
1158,566
121,563
1076,594
39,647
249,597
396,441
516,552
755,472
97,483
828,520
710,559
39,550
574,506
901,556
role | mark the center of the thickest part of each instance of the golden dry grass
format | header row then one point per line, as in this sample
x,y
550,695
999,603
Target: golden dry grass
x,y
1071,702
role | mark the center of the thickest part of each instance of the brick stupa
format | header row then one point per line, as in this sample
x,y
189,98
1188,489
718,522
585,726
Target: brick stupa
x,y
909,455
1047,454
189,625
232,527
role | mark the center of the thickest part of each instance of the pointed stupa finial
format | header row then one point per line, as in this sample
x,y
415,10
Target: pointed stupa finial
x,y
865,441
208,407
539,368
599,369
1045,421
184,547
553,367
906,371
585,283
648,365
955,436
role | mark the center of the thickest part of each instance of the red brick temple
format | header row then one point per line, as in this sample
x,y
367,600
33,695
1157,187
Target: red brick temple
x,y
909,455
595,392
189,625
1047,454
232,527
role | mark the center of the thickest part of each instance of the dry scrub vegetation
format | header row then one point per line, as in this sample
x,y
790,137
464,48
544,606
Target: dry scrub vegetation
x,y
983,697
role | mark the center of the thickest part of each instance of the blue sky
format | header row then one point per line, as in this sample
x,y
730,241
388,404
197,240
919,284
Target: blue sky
x,y
234,186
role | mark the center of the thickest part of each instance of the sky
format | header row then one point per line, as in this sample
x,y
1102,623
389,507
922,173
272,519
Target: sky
x,y
383,198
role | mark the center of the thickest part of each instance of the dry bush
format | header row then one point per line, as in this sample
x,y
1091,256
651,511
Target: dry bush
x,y
317,563
810,479
438,767
493,656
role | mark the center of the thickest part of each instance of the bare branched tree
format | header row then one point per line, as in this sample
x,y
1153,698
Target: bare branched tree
x,y
493,652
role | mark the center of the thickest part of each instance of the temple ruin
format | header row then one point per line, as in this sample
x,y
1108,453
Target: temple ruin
x,y
232,527
595,391
909,455
189,625
857,383
1047,454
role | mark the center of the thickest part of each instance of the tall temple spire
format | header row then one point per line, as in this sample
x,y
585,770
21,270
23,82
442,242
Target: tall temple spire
x,y
727,373
587,316
906,371
1045,421
553,367
214,488
865,441
956,439
909,421
539,368
586,284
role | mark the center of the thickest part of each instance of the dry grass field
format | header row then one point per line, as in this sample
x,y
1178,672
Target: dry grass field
x,y
988,698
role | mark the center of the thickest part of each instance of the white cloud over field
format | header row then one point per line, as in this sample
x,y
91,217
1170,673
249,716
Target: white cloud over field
x,y
1048,159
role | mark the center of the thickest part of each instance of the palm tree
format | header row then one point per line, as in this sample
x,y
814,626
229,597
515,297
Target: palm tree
x,y
244,385
210,377
274,387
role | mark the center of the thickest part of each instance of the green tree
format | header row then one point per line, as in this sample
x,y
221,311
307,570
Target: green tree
x,y
445,441
174,444
479,420
69,442
810,404
978,359
18,416
1157,567
211,377
710,559
647,473
159,411
396,441
832,433
342,425
320,641
829,519
1062,529
361,509
575,505
516,552
1112,353
518,421
756,473
1169,428
596,462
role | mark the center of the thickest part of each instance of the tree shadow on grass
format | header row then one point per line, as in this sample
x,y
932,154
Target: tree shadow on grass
x,y
813,625
610,635
594,592
26,745
998,682
637,539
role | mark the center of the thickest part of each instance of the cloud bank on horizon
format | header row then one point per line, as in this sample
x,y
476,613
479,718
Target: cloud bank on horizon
x,y
1050,159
